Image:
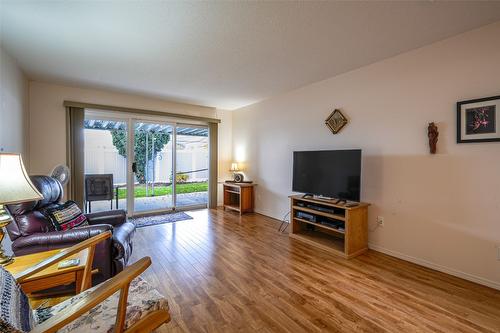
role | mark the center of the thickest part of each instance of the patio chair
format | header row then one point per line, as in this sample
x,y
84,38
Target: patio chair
x,y
99,188
137,307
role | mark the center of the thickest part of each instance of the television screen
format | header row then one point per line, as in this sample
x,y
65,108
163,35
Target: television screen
x,y
329,173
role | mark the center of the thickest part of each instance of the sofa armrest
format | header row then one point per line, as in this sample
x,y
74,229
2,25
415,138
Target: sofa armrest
x,y
112,217
122,241
56,239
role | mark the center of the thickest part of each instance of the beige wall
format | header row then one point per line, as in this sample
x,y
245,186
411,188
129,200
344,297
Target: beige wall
x,y
13,106
13,112
442,211
47,140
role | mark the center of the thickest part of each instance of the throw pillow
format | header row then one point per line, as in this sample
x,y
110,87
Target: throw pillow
x,y
66,216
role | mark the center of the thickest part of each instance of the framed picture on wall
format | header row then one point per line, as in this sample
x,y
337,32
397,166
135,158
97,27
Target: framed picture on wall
x,y
478,120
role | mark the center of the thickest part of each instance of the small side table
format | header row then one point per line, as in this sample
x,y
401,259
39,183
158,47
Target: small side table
x,y
239,197
51,276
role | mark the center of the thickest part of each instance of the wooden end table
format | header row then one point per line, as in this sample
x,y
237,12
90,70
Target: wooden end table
x,y
239,197
51,276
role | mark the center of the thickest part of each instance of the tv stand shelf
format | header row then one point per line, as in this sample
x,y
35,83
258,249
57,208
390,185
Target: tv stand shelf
x,y
332,227
320,225
318,212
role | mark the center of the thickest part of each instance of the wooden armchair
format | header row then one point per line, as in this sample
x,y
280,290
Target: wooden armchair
x,y
124,303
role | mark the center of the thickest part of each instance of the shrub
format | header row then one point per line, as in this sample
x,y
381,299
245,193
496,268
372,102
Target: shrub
x,y
181,178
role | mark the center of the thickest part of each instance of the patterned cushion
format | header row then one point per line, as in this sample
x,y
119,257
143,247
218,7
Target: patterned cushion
x,y
66,216
15,310
142,300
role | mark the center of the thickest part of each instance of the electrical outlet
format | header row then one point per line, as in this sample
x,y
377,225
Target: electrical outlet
x,y
380,221
498,252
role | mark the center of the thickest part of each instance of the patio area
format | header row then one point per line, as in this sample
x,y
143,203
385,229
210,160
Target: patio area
x,y
145,204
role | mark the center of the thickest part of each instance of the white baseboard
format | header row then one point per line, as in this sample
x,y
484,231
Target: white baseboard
x,y
428,264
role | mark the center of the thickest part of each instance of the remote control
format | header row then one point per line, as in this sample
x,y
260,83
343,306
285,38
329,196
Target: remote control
x,y
68,263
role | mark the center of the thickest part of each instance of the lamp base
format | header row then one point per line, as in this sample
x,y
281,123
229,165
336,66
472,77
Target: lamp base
x,y
6,260
4,221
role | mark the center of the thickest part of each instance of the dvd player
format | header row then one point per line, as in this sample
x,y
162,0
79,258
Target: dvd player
x,y
322,209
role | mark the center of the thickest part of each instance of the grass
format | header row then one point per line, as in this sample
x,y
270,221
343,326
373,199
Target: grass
x,y
140,191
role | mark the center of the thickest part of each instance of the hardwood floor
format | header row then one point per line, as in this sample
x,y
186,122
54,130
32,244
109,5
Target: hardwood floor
x,y
226,273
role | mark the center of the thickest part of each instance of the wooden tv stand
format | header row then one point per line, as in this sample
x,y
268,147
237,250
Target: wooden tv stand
x,y
342,230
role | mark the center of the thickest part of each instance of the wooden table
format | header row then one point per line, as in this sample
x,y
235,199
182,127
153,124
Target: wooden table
x,y
51,276
239,197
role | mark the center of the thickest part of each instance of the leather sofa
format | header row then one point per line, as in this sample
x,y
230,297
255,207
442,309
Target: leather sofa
x,y
31,232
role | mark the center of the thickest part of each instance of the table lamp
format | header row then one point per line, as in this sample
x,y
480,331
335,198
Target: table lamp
x,y
237,176
234,167
15,187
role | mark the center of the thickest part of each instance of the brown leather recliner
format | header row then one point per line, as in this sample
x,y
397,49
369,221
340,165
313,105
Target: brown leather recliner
x,y
31,232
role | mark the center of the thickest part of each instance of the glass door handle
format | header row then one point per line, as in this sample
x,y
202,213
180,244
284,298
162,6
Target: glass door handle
x,y
134,167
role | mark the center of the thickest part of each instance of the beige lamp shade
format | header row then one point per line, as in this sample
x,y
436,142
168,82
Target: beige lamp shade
x,y
15,184
234,167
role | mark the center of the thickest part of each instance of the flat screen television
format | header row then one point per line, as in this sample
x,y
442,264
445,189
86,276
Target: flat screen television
x,y
328,173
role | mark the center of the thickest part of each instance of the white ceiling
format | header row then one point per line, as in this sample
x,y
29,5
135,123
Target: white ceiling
x,y
222,54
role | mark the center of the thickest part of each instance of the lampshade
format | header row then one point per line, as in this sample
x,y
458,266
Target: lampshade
x,y
234,167
15,184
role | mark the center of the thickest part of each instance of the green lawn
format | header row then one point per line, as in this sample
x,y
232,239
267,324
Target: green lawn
x,y
140,191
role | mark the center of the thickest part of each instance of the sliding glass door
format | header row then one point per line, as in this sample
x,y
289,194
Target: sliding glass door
x,y
130,164
153,166
191,153
106,152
